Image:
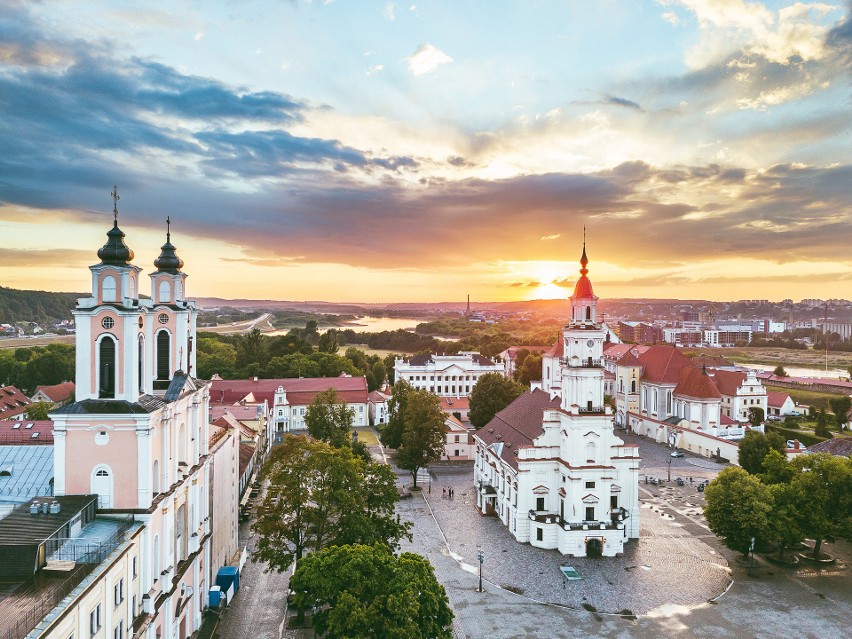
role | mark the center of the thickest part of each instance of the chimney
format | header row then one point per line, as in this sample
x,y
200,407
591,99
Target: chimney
x,y
795,444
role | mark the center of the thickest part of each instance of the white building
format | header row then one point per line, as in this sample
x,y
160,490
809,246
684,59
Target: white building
x,y
445,375
549,465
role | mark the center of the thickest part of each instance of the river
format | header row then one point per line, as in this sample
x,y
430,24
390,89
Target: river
x,y
795,371
369,324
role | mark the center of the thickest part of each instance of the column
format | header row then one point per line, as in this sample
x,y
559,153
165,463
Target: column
x,y
144,462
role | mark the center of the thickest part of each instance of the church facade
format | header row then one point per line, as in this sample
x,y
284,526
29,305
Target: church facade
x,y
549,465
137,435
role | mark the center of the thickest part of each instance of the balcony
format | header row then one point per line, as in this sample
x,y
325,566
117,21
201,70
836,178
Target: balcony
x,y
541,517
578,363
591,410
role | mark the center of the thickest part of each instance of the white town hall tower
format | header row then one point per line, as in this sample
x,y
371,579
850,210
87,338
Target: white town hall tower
x,y
549,465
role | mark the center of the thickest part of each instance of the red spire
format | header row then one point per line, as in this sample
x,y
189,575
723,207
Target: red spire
x,y
583,287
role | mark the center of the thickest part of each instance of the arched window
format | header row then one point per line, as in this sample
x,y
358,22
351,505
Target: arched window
x,y
181,443
131,287
155,471
165,292
588,313
163,352
102,486
155,558
106,368
591,452
178,291
140,373
108,288
632,385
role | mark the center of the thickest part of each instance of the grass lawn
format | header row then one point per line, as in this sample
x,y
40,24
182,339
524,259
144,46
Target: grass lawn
x,y
367,435
811,398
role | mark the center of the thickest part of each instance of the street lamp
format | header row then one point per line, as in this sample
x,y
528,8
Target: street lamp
x,y
481,557
669,460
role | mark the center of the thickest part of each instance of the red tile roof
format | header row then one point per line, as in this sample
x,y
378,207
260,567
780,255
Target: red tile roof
x,y
724,420
662,363
20,432
518,424
247,412
58,393
246,453
12,402
449,404
696,383
729,381
300,390
840,446
776,399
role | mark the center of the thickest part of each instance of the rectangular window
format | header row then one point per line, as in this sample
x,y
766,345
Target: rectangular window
x,y
590,513
118,591
133,567
590,484
95,620
118,633
613,502
539,503
539,534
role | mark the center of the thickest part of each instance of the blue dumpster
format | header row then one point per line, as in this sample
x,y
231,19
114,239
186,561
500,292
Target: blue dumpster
x,y
228,576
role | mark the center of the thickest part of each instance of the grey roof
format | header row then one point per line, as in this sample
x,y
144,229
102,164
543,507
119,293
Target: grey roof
x,y
20,526
180,382
146,404
30,471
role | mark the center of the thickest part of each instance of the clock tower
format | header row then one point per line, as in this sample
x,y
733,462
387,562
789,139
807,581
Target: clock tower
x,y
582,345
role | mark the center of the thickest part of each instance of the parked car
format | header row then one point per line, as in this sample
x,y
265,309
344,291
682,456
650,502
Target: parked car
x,y
677,453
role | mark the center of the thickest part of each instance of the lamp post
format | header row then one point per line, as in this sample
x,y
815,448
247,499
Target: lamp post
x,y
481,557
669,460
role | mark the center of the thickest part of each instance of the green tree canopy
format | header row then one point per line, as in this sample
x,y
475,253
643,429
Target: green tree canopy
x,y
38,410
492,393
365,592
822,488
755,415
319,496
328,342
840,407
738,508
329,420
779,371
416,427
755,446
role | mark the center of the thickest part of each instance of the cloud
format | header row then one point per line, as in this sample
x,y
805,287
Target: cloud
x,y
18,258
555,236
426,59
622,102
390,11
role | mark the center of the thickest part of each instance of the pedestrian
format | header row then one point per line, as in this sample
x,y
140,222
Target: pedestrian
x,y
452,493
444,496
690,481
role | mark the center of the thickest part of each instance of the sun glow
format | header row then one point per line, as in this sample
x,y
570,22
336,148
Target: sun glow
x,y
548,291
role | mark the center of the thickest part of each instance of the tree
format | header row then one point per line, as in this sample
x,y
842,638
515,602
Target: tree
x,y
379,374
755,446
492,393
252,348
320,496
329,420
738,508
776,468
840,407
784,527
360,592
531,369
328,342
38,410
821,429
391,435
423,433
821,486
779,371
755,415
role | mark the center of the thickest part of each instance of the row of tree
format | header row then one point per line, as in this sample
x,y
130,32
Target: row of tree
x,y
35,306
329,508
27,368
780,502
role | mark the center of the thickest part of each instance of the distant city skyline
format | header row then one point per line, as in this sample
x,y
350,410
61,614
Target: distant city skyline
x,y
387,151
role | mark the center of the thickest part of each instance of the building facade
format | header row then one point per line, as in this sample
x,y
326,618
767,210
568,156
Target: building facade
x,y
549,465
445,375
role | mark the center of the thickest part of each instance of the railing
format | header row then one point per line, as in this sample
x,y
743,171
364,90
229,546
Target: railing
x,y
585,363
591,409
553,518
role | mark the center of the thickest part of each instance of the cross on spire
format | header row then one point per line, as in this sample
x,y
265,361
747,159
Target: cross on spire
x,y
168,229
115,199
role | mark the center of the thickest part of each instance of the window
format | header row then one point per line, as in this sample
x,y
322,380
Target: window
x,y
613,502
133,567
95,620
106,368
107,322
590,484
539,503
118,592
590,513
118,633
539,534
165,292
108,289
163,318
163,352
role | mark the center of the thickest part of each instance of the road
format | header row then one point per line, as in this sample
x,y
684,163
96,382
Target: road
x,y
262,322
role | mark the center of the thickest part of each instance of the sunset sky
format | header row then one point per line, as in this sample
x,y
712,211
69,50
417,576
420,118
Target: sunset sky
x,y
396,151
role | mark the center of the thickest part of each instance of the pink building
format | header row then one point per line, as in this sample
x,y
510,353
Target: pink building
x,y
137,435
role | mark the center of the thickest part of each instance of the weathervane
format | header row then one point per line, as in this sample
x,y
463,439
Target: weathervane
x,y
115,199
